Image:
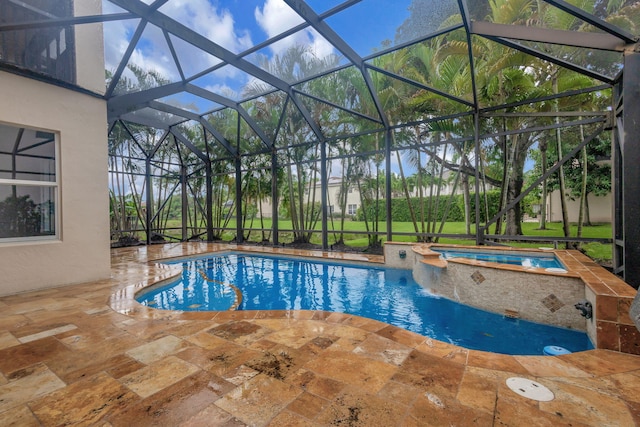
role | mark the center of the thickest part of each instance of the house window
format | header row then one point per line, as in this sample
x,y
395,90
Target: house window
x,y
351,209
28,184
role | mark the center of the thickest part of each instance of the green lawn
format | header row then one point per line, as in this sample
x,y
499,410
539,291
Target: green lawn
x,y
597,251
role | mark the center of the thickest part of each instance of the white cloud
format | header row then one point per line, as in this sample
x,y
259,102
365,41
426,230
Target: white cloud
x,y
152,52
116,37
156,61
320,47
277,17
192,59
218,25
223,90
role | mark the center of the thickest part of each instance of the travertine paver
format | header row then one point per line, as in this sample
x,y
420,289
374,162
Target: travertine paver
x,y
123,364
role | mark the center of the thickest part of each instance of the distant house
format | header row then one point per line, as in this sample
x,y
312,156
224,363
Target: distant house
x,y
333,189
600,208
353,196
334,185
447,186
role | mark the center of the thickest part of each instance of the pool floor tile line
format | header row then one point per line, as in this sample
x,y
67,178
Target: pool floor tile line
x,y
123,364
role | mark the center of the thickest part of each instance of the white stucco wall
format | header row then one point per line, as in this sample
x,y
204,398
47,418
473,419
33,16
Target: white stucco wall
x,y
333,191
82,252
600,208
89,48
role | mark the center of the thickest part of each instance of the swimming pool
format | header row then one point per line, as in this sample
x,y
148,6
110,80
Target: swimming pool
x,y
248,282
525,260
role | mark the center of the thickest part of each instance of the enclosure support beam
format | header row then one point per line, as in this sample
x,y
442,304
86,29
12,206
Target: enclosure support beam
x,y
545,35
274,196
324,194
149,202
616,189
387,156
630,146
209,187
479,229
239,229
209,196
542,55
591,19
185,202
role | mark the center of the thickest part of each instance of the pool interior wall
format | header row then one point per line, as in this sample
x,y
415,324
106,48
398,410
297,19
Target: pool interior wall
x,y
537,297
530,293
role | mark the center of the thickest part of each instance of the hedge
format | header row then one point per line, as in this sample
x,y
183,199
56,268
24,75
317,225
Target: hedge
x,y
400,208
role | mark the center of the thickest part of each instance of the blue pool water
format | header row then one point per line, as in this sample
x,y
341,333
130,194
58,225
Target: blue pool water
x,y
386,294
513,259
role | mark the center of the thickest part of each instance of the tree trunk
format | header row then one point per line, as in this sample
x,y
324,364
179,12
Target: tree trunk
x,y
483,177
566,226
430,203
293,212
514,188
405,189
344,195
421,196
505,177
583,190
467,197
543,204
440,181
450,201
364,208
301,209
467,201
260,209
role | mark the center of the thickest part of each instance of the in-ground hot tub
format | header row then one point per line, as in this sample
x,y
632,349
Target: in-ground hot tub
x,y
544,295
545,260
522,284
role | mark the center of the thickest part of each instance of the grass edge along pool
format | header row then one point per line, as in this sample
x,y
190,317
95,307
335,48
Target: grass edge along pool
x,y
382,293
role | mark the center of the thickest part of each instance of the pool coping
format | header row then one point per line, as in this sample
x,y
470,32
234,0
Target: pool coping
x,y
434,258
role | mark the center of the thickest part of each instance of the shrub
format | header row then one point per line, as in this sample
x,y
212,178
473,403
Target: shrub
x,y
400,209
493,198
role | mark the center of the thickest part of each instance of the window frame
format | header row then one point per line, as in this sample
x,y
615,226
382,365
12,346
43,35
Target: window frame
x,y
55,185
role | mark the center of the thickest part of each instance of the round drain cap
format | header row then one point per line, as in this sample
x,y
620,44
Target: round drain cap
x,y
530,389
554,350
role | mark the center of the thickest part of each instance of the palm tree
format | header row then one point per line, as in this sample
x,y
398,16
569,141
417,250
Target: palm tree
x,y
443,64
299,159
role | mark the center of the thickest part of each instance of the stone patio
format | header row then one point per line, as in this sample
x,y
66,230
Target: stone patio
x,y
87,354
